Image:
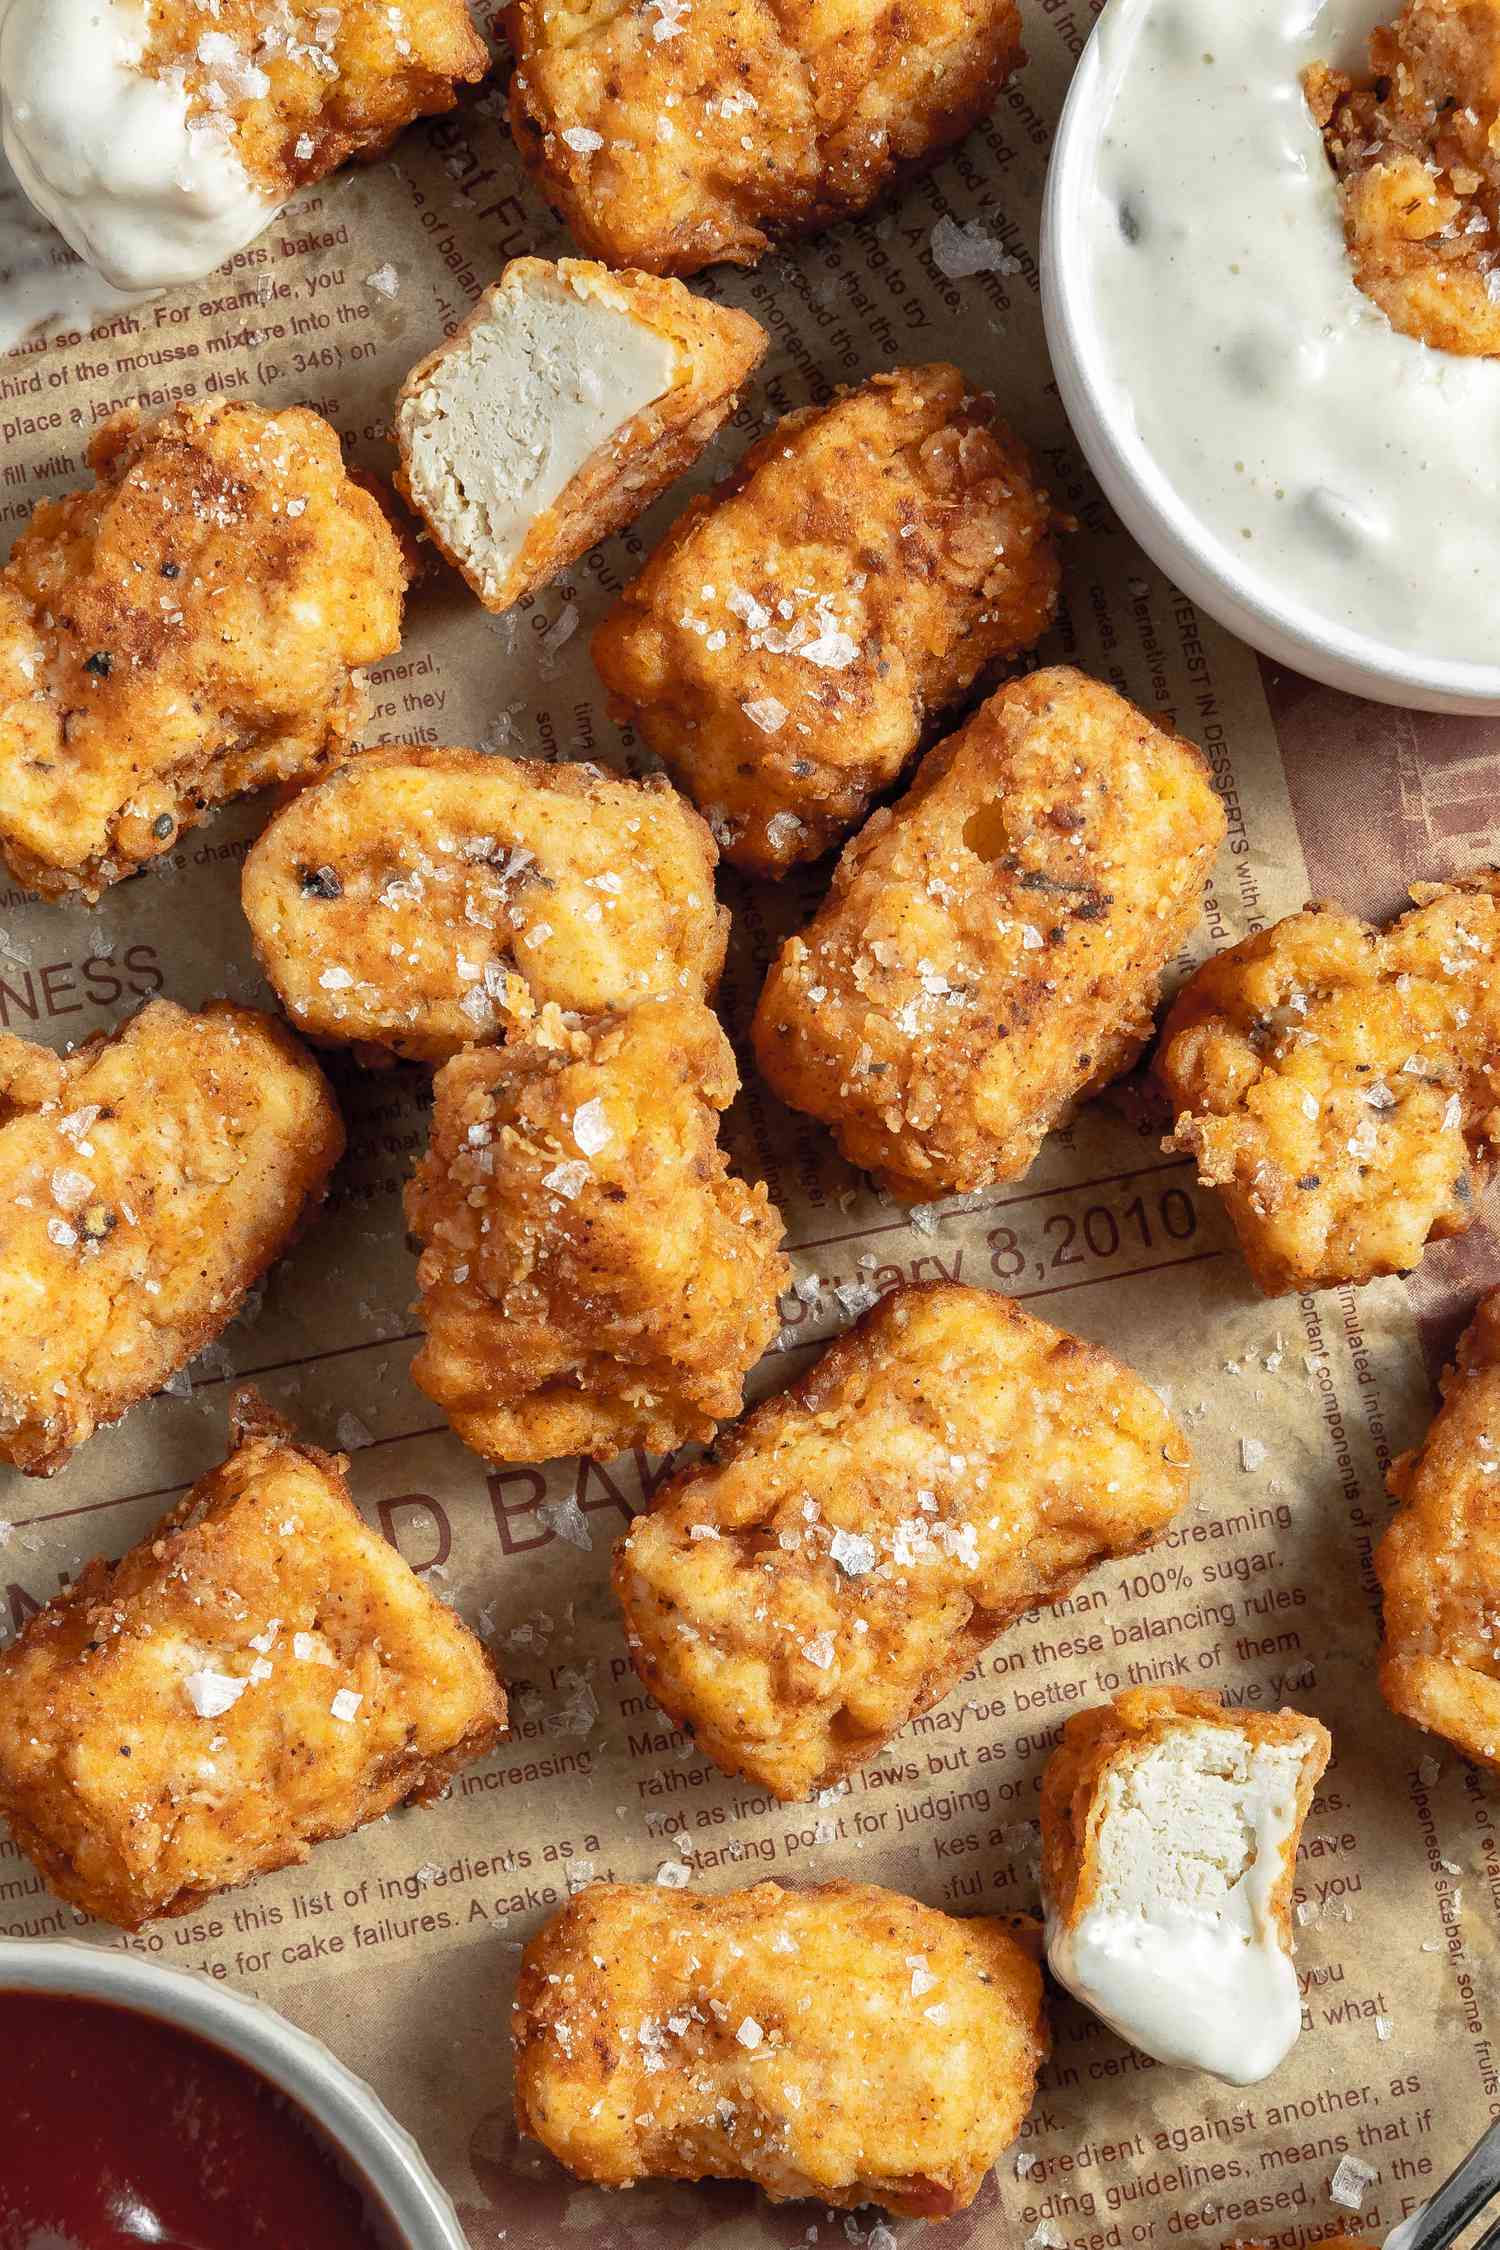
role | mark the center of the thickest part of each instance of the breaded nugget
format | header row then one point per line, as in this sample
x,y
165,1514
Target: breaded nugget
x,y
991,949
188,627
423,900
1416,149
841,2042
1340,1084
568,400
671,135
262,1671
594,1276
785,646
1169,1851
860,1539
1439,1561
147,1180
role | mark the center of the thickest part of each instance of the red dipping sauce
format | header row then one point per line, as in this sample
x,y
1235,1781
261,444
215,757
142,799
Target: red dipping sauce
x,y
118,2129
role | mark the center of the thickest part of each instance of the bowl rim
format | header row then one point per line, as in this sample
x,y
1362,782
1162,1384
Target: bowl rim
x,y
1175,537
352,2115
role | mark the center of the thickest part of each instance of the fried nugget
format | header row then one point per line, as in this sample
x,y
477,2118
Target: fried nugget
x,y
672,136
858,1541
841,2042
992,946
1439,1561
594,1276
568,400
1340,1084
1169,1850
262,1671
785,646
422,900
147,1180
188,627
1415,147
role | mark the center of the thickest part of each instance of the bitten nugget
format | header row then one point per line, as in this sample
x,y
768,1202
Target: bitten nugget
x,y
1340,1084
671,135
146,1181
568,400
262,1671
841,2042
594,1276
787,643
992,946
1439,1562
1416,150
858,1541
423,900
189,627
1169,1850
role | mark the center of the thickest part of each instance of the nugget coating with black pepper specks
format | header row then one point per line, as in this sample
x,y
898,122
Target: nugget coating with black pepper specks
x,y
992,946
786,645
147,1180
671,136
1439,1561
593,1275
189,627
857,1542
1340,1084
168,1724
840,2042
424,900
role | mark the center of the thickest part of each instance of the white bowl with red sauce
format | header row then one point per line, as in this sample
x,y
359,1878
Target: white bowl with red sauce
x,y
173,2104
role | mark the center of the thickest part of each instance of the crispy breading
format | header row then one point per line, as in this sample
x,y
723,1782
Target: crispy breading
x,y
992,946
1340,1084
594,1276
424,900
147,1180
781,116
786,645
300,86
1439,1560
260,1672
841,2042
857,1541
457,429
188,627
1106,1741
1415,146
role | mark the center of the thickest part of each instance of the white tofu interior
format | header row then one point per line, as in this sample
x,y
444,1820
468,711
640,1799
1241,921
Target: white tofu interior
x,y
505,423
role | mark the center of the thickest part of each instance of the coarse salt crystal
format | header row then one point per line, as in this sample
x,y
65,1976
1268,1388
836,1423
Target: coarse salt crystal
x,y
958,251
853,1552
1252,1453
565,1517
351,1433
344,1705
385,279
582,139
749,2033
767,712
1351,2182
819,1650
673,1876
212,1692
591,1128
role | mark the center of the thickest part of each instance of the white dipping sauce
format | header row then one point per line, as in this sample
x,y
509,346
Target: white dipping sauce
x,y
1332,463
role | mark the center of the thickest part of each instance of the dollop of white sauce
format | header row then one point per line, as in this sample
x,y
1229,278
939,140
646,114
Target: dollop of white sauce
x,y
1179,1950
146,195
1330,461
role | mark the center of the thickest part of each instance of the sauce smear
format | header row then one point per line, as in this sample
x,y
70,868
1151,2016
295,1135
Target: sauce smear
x,y
120,2129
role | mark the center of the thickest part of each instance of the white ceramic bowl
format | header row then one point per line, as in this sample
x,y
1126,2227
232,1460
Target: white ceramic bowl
x,y
1146,503
382,2156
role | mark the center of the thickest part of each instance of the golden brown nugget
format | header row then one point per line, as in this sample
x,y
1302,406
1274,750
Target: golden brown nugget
x,y
785,646
859,1540
262,1671
671,136
992,946
566,403
1169,1851
593,1276
841,2042
1415,146
1439,1561
189,627
424,900
147,1180
1340,1084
